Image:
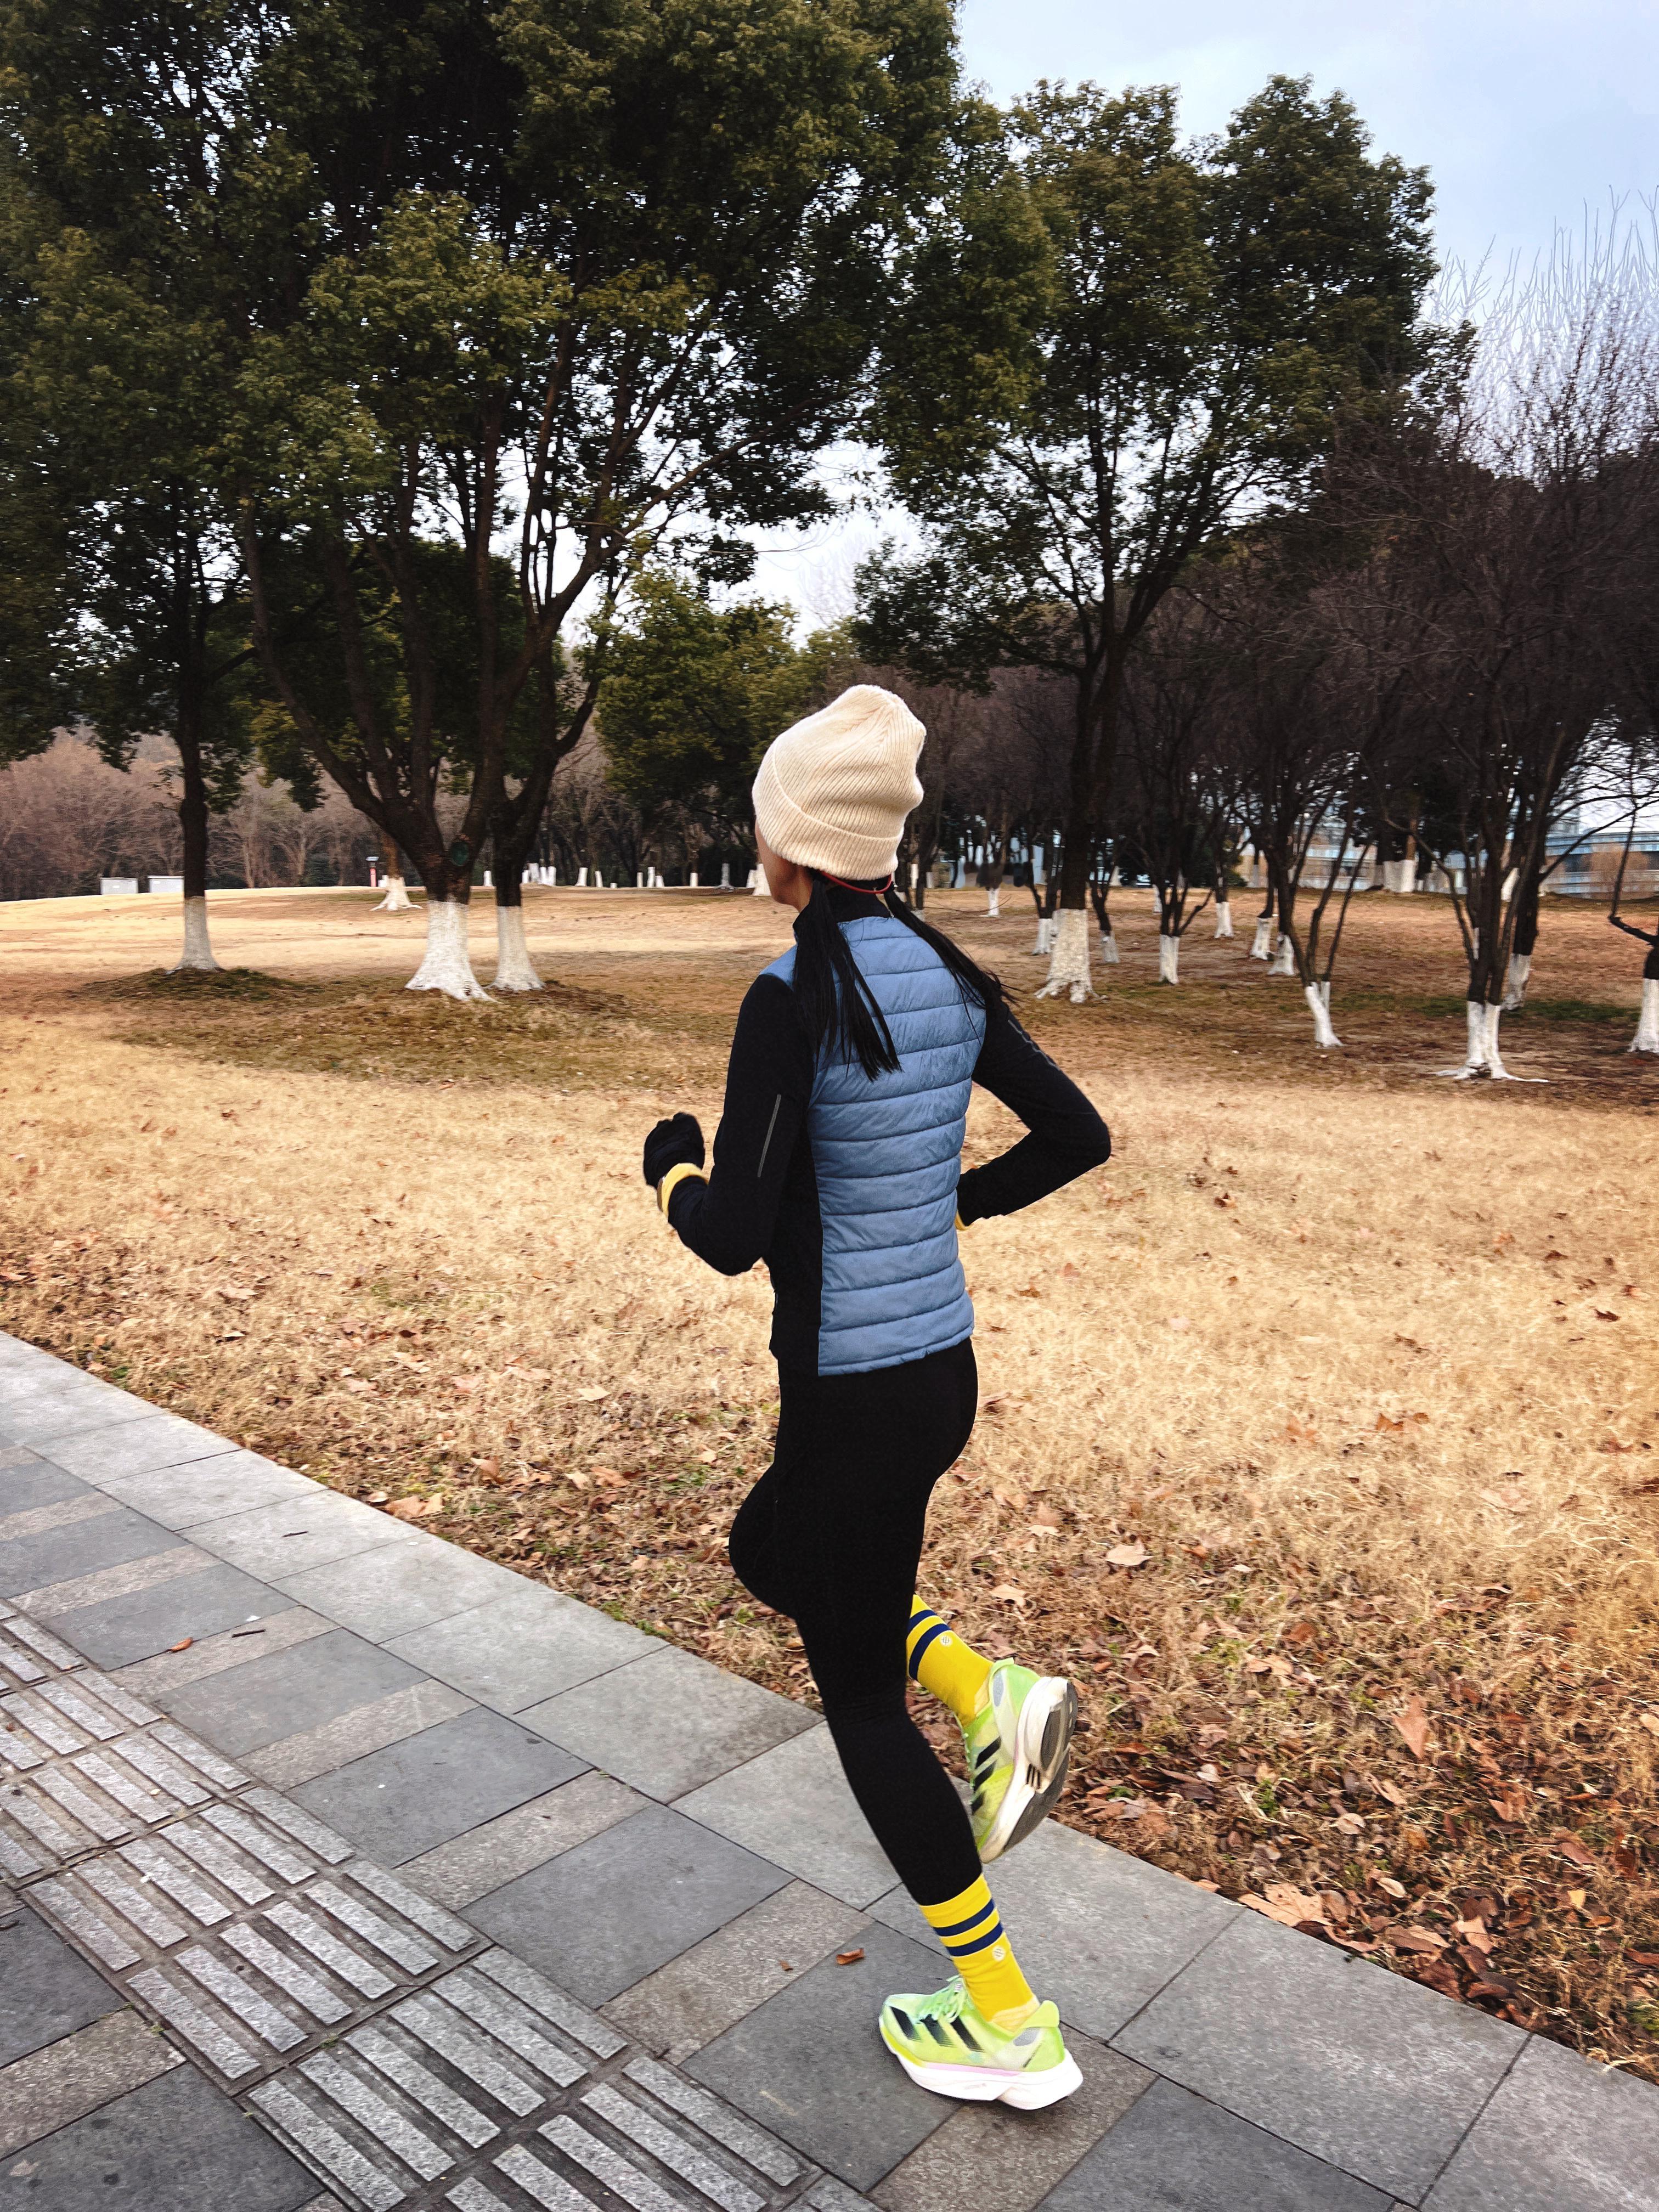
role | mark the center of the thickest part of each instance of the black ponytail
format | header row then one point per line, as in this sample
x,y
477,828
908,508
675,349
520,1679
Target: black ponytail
x,y
842,1013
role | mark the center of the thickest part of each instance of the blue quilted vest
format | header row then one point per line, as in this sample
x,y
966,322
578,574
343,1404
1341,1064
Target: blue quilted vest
x,y
887,1155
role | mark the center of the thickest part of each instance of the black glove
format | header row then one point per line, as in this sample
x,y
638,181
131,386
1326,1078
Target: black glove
x,y
672,1141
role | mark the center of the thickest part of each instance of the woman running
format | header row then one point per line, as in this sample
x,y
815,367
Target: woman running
x,y
838,1161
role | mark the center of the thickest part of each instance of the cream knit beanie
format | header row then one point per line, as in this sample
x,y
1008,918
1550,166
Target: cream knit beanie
x,y
833,791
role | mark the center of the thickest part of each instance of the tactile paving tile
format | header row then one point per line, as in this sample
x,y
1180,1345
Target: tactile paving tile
x,y
85,1764
29,1655
251,1931
492,2091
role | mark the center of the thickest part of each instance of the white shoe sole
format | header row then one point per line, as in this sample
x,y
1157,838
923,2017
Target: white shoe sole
x,y
1047,1721
997,2085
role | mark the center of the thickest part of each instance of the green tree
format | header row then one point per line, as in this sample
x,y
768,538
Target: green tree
x,y
692,695
642,301
1116,346
141,192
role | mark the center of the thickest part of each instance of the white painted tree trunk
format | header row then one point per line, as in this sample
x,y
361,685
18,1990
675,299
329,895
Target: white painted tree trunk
x,y
1284,961
515,968
197,952
1224,918
1647,1030
1318,996
1400,876
1482,1055
1109,952
1068,963
1262,946
396,899
1168,960
994,906
447,966
758,884
725,875
1515,983
695,885
1045,938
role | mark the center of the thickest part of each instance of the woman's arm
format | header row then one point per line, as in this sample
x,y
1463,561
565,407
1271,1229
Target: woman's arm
x,y
1067,1137
728,1217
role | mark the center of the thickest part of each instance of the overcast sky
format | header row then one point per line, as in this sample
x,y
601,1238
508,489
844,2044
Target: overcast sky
x,y
1527,114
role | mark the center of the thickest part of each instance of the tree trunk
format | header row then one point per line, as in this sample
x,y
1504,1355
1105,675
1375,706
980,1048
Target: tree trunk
x,y
1261,948
396,899
1515,981
1168,957
1223,917
1647,1029
515,968
447,966
1284,961
198,953
1068,962
993,902
1318,996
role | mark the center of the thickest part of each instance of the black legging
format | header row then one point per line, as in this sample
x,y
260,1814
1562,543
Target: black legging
x,y
831,1534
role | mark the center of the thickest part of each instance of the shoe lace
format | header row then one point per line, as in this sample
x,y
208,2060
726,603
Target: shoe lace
x,y
943,2004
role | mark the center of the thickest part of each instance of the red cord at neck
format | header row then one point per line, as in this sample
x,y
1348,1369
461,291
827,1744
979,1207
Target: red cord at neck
x,y
863,890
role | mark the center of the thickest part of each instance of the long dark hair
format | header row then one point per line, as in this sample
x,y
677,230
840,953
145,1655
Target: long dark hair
x,y
840,1010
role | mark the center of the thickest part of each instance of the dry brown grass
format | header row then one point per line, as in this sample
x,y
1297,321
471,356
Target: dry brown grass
x,y
1366,1363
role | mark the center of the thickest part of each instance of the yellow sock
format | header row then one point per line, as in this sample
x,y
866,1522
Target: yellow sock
x,y
970,1928
946,1667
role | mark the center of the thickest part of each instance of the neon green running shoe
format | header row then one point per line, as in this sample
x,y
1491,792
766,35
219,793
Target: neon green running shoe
x,y
1018,1744
945,2044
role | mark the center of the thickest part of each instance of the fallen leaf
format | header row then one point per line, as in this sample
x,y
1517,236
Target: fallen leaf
x,y
1578,1898
1650,1722
1289,1907
1350,1824
1419,1940
1389,1886
183,1644
417,1508
1413,1726
591,1397
1010,1594
379,1496
1473,1932
1570,1849
1392,1791
1511,1801
848,1957
1132,1554
1601,1314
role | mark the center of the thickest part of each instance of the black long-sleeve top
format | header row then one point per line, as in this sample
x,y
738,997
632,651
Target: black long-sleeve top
x,y
760,1201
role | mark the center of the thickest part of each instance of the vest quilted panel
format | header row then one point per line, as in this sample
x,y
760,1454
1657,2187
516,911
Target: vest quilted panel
x,y
887,1155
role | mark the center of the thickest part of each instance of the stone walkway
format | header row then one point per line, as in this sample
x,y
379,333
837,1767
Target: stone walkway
x,y
406,1881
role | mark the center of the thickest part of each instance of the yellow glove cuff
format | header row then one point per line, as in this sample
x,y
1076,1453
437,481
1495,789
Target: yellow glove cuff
x,y
961,1224
671,1181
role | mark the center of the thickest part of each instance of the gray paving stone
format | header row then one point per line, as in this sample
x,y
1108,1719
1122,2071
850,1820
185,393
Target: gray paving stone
x,y
35,1520
176,2145
276,1542
668,1722
811,2065
352,1736
122,1630
47,1415
1028,2152
793,1805
266,1700
430,1789
1095,1929
234,1647
208,1489
1175,2152
45,1991
1559,2133
31,1562
600,1917
400,1587
500,1850
709,1988
75,2075
1362,2067
146,1572
32,1481
525,1647
158,1440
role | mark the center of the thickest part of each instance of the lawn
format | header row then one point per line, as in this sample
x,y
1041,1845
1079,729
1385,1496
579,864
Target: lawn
x,y
1362,1361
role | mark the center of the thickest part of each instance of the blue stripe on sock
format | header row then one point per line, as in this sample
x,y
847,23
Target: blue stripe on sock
x,y
965,1927
966,1950
938,1629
